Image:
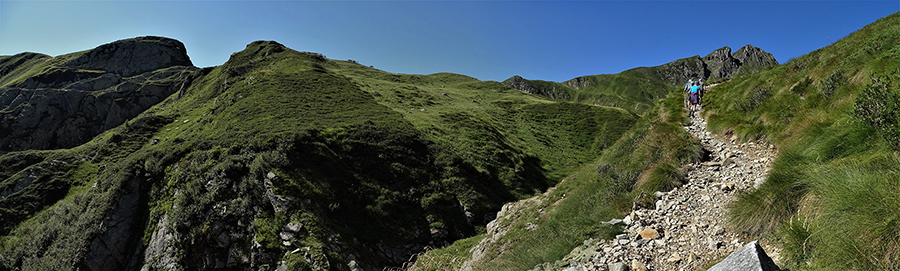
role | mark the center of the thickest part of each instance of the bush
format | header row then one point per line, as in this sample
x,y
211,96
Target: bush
x,y
756,97
879,106
830,84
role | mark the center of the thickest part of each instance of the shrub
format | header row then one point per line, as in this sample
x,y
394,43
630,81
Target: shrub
x,y
831,83
879,106
756,97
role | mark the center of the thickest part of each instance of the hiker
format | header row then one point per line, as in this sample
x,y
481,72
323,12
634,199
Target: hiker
x,y
687,87
694,95
702,91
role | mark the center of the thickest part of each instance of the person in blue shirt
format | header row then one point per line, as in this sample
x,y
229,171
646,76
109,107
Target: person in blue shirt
x,y
694,97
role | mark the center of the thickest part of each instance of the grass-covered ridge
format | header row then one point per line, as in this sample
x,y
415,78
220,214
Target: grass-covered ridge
x,y
636,90
543,229
831,197
374,165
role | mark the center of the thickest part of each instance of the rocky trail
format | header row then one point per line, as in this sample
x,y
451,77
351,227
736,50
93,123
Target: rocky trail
x,y
686,229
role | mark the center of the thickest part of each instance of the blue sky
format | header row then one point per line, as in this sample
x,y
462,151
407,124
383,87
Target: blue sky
x,y
489,40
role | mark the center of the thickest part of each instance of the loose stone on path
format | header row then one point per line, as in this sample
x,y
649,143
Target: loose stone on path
x,y
686,229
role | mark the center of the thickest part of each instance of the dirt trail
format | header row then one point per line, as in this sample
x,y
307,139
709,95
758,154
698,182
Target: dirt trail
x,y
686,230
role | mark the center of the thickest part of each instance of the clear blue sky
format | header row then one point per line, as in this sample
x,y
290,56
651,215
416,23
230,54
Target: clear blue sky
x,y
489,40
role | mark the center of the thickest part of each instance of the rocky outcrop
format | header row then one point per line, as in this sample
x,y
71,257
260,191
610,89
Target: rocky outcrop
x,y
160,253
110,251
683,70
67,105
552,90
580,82
753,59
497,229
135,56
721,64
522,84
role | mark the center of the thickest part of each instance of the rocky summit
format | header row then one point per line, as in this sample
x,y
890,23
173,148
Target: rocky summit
x,y
64,101
722,63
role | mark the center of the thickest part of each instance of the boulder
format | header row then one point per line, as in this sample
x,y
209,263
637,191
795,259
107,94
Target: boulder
x,y
751,257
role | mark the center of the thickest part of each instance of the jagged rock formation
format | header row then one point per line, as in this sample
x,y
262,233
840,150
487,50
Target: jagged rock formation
x,y
65,105
580,82
682,70
753,59
748,59
720,63
517,82
537,87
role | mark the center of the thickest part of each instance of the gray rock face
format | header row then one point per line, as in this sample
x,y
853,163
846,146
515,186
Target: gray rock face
x,y
751,257
748,59
682,70
65,106
579,83
550,90
110,251
133,56
753,59
160,252
721,64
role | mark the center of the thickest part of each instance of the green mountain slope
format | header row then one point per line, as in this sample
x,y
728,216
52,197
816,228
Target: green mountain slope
x,y
280,157
831,198
544,228
639,89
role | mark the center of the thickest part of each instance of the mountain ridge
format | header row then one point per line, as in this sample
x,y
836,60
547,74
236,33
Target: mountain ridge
x,y
619,89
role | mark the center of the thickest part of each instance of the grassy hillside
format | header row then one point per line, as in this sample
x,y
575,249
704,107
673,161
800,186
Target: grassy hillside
x,y
637,89
831,198
545,228
373,165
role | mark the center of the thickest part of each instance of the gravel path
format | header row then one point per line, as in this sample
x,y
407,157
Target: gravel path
x,y
686,230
